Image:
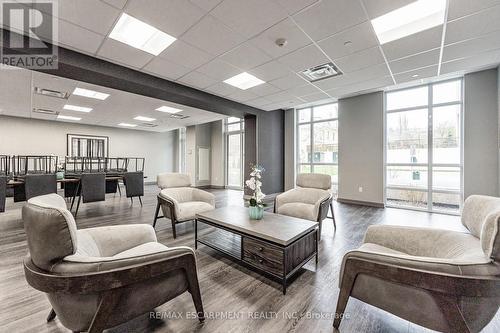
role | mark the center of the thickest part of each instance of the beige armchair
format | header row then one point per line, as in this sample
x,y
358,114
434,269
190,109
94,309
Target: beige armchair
x,y
98,278
443,280
179,201
310,200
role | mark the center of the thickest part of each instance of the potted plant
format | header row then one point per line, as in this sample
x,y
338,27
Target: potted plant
x,y
256,208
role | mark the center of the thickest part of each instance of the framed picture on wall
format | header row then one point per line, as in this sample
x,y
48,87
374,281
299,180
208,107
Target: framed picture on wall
x,y
79,145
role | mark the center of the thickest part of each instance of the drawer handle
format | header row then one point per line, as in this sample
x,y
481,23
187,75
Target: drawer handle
x,y
261,249
261,261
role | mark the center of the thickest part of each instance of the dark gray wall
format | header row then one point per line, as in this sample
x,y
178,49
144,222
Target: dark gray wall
x,y
270,149
481,133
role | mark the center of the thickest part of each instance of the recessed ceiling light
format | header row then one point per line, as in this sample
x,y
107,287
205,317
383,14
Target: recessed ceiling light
x,y
168,109
76,108
141,118
140,35
68,117
244,81
415,17
415,75
127,125
90,93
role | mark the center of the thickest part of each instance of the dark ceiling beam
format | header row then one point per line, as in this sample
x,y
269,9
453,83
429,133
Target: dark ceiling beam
x,y
77,66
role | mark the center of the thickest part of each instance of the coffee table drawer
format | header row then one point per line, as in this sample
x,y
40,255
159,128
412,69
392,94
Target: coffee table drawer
x,y
262,255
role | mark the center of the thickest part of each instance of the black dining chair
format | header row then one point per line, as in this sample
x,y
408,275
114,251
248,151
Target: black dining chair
x,y
36,185
92,188
3,192
134,185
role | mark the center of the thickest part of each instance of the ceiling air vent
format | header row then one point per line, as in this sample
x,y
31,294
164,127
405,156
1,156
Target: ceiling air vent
x,y
46,111
321,72
148,125
51,93
178,116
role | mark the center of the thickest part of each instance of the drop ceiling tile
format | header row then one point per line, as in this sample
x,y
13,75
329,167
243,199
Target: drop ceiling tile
x,y
290,81
334,82
360,60
304,90
124,54
166,69
295,38
293,6
270,71
365,74
207,5
264,89
245,56
473,26
94,15
242,96
197,80
315,97
477,62
329,17
249,17
173,17
360,37
421,73
376,8
116,3
258,102
182,53
280,97
222,89
219,70
416,61
212,36
304,58
472,47
459,8
416,43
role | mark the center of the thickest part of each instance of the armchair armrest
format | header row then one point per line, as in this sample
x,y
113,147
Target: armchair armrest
x,y
200,195
98,277
114,239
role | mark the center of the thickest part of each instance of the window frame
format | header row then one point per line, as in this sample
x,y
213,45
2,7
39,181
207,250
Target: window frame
x,y
311,122
430,165
227,134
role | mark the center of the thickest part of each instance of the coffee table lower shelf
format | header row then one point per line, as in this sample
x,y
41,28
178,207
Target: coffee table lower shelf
x,y
268,258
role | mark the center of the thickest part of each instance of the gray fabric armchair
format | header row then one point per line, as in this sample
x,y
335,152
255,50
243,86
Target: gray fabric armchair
x,y
443,280
310,200
179,201
98,278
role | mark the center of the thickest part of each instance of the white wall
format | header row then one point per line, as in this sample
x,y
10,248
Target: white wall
x,y
191,152
361,148
481,133
31,136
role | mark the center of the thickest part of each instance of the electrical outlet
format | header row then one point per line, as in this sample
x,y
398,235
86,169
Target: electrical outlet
x,y
360,189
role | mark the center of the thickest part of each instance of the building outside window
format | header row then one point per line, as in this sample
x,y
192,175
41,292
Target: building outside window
x,y
234,143
318,141
424,145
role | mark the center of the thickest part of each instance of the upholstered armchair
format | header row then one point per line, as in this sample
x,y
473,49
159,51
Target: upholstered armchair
x,y
98,278
310,200
443,280
179,201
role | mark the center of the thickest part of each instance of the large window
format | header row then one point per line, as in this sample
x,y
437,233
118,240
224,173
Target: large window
x,y
234,134
424,147
318,141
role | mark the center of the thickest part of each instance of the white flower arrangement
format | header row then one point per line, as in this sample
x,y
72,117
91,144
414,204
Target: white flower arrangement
x,y
255,184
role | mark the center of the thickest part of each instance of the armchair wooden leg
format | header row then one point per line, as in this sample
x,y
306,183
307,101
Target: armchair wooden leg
x,y
156,213
105,309
333,215
194,289
51,316
345,291
173,227
78,205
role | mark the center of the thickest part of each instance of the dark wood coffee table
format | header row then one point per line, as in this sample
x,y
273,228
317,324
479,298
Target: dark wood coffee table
x,y
277,245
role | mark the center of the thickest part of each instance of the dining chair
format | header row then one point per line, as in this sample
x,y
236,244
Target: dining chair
x,y
36,185
92,188
3,192
134,185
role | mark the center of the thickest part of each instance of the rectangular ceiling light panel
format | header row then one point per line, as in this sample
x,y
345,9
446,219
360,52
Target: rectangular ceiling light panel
x,y
77,108
244,81
90,94
68,118
127,125
168,109
141,118
140,35
410,19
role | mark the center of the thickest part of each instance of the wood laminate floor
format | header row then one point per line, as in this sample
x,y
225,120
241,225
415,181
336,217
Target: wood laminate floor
x,y
235,298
